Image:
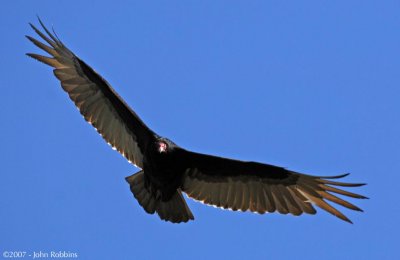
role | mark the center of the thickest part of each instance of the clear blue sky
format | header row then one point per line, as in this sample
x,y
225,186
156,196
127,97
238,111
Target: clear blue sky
x,y
310,85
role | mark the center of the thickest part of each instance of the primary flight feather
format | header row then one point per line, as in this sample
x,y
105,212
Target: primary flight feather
x,y
167,170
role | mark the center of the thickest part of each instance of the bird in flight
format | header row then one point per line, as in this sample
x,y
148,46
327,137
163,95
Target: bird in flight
x,y
168,170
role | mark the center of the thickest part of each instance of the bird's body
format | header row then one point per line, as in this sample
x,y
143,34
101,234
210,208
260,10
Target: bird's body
x,y
167,170
163,169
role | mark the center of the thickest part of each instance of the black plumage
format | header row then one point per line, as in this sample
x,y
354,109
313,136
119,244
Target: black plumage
x,y
167,170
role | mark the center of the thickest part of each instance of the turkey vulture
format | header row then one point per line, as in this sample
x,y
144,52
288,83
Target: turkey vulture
x,y
167,170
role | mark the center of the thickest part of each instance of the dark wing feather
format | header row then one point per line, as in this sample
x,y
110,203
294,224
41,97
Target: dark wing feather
x,y
261,188
97,101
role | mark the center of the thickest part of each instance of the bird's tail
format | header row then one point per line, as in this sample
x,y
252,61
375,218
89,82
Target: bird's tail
x,y
174,210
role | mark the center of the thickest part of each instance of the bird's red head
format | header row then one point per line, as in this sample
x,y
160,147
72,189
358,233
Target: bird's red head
x,y
162,147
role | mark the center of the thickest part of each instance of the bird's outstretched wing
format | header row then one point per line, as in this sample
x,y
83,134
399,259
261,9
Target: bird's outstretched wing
x,y
97,101
261,188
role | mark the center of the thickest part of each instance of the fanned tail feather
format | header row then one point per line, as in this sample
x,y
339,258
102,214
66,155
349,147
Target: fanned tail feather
x,y
174,210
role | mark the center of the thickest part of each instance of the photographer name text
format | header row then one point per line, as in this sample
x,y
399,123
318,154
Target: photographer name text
x,y
40,254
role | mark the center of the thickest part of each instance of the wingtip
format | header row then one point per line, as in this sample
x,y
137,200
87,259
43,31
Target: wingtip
x,y
30,38
40,20
349,221
358,209
32,26
333,176
33,56
339,176
344,218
